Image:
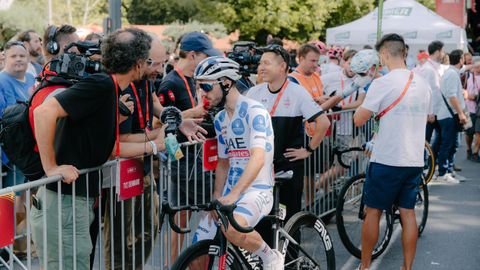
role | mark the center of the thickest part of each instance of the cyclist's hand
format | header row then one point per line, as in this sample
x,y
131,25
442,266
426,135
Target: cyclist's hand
x,y
294,154
191,129
231,198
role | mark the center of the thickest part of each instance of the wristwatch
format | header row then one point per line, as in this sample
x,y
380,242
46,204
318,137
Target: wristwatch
x,y
309,149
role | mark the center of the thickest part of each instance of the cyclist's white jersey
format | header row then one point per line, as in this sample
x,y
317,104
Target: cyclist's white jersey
x,y
249,127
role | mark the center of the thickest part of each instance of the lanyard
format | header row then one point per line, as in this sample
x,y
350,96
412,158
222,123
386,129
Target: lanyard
x,y
139,105
274,108
180,73
381,114
117,122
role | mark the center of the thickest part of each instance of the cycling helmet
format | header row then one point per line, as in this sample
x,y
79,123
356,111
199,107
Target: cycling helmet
x,y
215,67
320,45
335,52
363,60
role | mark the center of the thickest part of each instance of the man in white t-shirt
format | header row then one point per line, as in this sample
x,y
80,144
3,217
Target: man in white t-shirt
x,y
395,169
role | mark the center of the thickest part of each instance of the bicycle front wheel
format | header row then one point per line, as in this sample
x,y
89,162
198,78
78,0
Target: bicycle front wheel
x,y
311,234
429,163
350,215
204,255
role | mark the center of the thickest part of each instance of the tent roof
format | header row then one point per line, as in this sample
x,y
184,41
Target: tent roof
x,y
415,22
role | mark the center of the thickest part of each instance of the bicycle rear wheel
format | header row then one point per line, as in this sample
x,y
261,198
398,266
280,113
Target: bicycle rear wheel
x,y
311,234
350,216
429,167
203,255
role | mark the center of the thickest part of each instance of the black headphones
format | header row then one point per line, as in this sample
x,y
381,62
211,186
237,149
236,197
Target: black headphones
x,y
52,45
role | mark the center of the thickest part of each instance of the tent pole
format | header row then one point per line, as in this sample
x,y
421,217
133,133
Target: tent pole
x,y
379,19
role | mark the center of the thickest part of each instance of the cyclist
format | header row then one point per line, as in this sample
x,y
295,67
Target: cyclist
x,y
244,174
335,55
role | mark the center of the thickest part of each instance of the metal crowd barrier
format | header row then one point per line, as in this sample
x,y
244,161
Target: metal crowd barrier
x,y
136,240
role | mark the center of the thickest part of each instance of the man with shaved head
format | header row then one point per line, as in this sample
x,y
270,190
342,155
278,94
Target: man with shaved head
x,y
76,129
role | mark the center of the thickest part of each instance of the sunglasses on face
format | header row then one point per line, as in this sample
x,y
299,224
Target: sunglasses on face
x,y
207,87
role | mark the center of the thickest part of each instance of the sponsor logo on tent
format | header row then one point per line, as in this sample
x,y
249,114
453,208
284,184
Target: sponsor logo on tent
x,y
410,35
445,35
342,36
397,11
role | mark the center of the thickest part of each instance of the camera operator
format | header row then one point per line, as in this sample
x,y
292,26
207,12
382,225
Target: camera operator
x,y
289,104
55,39
76,129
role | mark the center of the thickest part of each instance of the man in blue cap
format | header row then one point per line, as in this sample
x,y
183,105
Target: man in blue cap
x,y
178,89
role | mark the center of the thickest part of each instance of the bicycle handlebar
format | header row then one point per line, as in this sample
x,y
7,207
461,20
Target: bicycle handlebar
x,y
337,152
224,212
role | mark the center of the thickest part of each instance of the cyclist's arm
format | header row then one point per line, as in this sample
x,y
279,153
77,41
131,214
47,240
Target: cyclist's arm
x,y
221,174
361,116
356,103
254,165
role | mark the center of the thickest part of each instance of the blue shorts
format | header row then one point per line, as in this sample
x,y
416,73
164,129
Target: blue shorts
x,y
387,185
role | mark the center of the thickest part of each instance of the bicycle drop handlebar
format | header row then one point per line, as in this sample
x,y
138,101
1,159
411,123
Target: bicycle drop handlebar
x,y
337,152
224,212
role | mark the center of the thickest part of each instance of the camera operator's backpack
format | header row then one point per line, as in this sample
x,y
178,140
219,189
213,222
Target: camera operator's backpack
x,y
16,130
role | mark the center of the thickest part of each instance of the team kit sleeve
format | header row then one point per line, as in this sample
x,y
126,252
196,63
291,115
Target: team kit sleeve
x,y
222,147
308,107
259,127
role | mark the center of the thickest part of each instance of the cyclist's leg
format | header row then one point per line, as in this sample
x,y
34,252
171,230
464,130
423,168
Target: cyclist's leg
x,y
251,208
370,234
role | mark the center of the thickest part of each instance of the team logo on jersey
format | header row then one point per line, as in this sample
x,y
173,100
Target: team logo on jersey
x,y
268,147
237,127
221,116
220,139
161,97
171,96
287,102
243,109
259,123
233,175
217,125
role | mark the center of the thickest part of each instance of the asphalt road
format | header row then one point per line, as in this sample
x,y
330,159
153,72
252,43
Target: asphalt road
x,y
451,239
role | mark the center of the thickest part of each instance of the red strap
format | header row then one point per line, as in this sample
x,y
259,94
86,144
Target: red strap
x,y
381,114
117,122
147,92
274,108
180,73
139,106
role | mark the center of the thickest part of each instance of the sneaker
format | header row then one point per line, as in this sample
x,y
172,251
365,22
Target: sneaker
x,y
457,168
277,264
460,178
448,178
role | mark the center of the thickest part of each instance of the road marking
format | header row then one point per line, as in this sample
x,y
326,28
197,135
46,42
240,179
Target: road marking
x,y
376,263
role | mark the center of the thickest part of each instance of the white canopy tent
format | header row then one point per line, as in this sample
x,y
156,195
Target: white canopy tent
x,y
417,24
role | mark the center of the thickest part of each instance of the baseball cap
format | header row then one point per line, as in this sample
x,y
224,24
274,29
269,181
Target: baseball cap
x,y
422,55
198,42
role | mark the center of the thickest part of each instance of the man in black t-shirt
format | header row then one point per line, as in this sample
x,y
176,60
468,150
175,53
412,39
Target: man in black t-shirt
x,y
178,89
76,130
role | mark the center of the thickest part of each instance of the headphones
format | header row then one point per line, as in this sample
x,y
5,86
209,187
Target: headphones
x,y
52,45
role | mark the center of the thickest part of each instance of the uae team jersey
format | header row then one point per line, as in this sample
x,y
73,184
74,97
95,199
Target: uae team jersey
x,y
249,127
294,106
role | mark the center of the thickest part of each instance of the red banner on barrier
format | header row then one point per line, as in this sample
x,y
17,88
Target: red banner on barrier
x,y
7,220
210,155
129,178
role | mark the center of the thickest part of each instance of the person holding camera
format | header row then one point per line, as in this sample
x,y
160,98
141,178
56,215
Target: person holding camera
x,y
55,39
76,129
289,104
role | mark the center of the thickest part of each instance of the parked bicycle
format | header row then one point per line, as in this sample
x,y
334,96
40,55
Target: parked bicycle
x,y
350,214
303,240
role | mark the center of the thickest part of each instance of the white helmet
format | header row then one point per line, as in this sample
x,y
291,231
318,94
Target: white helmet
x,y
363,60
216,67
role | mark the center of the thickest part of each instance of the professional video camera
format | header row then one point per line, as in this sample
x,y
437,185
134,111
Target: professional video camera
x,y
247,55
77,66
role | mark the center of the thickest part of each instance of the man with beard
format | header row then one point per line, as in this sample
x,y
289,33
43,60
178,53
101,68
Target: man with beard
x,y
31,40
